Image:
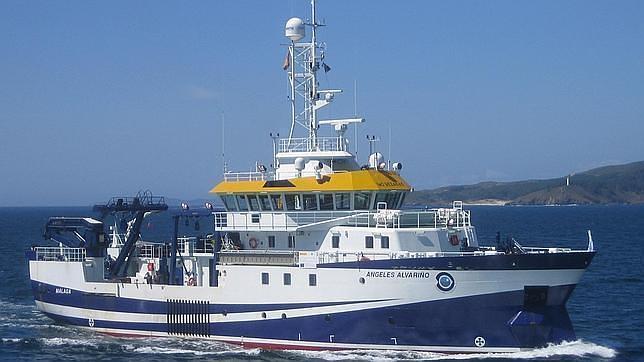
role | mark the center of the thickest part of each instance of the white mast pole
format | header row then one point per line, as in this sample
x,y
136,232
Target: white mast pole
x,y
313,129
292,81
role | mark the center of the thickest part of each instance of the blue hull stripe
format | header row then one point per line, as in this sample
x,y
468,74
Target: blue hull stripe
x,y
47,293
500,318
576,260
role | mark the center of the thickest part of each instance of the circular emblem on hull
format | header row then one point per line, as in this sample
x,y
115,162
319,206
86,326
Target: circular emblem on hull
x,y
479,341
444,282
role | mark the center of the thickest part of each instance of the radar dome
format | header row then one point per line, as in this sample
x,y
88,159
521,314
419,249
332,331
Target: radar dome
x,y
294,29
299,163
375,159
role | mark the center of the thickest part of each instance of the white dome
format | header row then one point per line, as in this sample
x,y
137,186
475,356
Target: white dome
x,y
294,29
375,159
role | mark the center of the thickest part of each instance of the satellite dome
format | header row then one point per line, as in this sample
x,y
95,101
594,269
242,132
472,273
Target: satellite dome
x,y
375,159
294,29
299,163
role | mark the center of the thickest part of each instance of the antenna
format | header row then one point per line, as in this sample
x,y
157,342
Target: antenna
x,y
223,142
389,150
355,113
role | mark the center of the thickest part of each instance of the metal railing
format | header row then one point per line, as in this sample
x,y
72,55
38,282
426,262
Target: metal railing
x,y
308,145
56,253
249,176
185,246
380,219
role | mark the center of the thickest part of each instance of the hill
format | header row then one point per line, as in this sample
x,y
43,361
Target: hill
x,y
621,184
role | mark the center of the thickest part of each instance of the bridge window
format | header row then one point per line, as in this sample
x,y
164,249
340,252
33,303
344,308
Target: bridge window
x,y
361,200
241,201
229,202
326,201
310,201
402,199
368,242
264,278
276,201
287,278
291,241
384,242
252,201
293,202
313,280
265,202
271,241
343,201
335,241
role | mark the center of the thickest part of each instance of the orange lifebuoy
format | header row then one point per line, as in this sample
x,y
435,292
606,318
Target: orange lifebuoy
x,y
253,243
453,239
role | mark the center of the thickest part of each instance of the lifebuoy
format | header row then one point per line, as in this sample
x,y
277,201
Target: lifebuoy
x,y
192,282
253,243
453,239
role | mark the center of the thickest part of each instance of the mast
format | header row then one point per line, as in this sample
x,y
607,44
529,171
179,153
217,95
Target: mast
x,y
303,62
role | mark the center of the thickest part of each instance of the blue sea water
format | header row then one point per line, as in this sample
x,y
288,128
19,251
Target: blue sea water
x,y
607,308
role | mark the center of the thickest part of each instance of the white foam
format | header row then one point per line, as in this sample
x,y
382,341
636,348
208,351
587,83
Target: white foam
x,y
577,348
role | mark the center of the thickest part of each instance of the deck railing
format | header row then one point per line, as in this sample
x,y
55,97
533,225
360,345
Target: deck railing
x,y
380,219
56,253
309,145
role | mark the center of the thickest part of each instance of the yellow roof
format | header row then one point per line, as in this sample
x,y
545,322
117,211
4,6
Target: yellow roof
x,y
361,180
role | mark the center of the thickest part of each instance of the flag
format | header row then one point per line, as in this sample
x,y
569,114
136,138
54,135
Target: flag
x,y
287,60
326,68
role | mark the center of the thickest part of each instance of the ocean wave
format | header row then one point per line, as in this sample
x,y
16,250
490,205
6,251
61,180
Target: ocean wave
x,y
577,348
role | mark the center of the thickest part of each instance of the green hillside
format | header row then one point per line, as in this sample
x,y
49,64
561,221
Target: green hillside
x,y
623,184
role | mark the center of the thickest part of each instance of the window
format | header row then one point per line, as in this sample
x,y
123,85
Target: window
x,y
343,201
287,278
402,200
241,200
276,201
381,197
293,202
326,201
313,280
229,202
335,241
291,241
392,200
252,201
384,242
361,200
264,278
368,242
254,218
310,201
271,241
265,202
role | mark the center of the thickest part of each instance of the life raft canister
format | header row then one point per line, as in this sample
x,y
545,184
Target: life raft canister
x,y
252,242
453,239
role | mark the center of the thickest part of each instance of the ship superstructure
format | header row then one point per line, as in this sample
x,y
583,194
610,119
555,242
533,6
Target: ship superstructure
x,y
313,252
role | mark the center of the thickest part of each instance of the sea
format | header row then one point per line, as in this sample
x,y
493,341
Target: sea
x,y
607,307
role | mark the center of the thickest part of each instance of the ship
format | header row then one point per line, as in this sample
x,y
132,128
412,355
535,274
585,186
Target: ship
x,y
313,252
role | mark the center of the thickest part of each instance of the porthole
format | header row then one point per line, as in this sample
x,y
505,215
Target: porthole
x,y
263,314
361,280
283,315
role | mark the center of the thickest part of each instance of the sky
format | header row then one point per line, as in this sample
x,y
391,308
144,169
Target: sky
x,y
99,99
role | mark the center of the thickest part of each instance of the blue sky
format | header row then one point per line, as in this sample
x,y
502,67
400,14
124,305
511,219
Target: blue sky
x,y
106,98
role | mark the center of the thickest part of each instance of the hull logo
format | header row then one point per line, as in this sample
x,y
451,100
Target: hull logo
x,y
479,341
444,282
63,291
91,322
